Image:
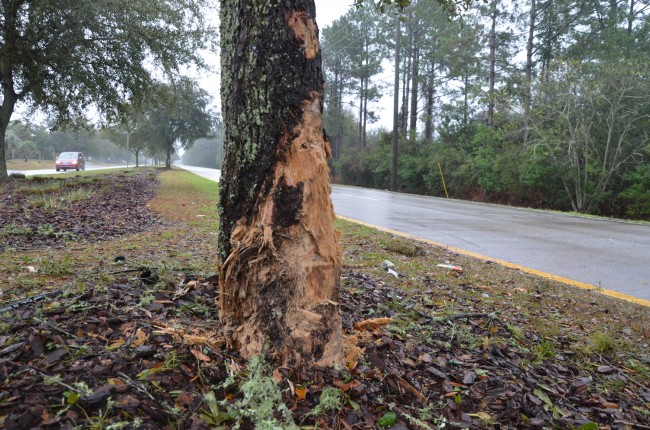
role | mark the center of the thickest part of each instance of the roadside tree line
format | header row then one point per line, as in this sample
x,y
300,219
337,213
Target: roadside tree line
x,y
541,103
172,117
121,63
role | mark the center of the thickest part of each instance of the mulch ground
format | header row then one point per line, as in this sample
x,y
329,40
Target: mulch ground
x,y
39,213
145,351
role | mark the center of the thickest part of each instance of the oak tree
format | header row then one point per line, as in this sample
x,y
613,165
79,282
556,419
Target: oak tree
x,y
66,56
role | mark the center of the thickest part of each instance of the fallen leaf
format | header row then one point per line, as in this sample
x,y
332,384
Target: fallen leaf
x,y
200,356
387,420
372,324
140,338
483,416
353,353
301,393
350,385
119,343
425,358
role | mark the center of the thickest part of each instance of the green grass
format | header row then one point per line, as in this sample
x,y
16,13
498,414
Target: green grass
x,y
190,242
13,229
59,201
19,164
40,187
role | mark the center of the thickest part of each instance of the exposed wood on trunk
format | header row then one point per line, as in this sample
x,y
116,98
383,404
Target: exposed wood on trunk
x,y
279,254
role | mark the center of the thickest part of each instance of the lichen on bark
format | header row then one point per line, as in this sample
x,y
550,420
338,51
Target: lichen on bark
x,y
278,250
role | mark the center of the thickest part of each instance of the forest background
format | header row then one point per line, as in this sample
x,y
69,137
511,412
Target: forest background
x,y
543,104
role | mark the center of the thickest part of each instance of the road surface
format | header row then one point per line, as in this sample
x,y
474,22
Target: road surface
x,y
89,166
613,255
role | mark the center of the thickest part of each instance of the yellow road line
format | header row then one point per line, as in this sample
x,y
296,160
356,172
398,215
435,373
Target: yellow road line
x,y
546,275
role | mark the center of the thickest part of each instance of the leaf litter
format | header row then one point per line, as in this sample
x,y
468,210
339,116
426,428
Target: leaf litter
x,y
432,349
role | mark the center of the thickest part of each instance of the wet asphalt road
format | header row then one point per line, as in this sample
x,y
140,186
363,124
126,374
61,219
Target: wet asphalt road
x,y
89,166
613,255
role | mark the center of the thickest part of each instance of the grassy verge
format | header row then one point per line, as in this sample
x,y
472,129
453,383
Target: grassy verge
x,y
578,322
582,321
473,339
189,242
20,164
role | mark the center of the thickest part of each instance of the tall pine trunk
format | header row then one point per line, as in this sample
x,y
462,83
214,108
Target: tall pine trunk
x,y
9,100
529,67
279,254
493,60
415,79
430,90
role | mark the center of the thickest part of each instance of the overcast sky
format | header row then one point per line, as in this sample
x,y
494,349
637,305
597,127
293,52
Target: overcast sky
x,y
326,12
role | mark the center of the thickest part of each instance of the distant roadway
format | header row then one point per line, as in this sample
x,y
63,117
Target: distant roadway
x,y
52,171
613,255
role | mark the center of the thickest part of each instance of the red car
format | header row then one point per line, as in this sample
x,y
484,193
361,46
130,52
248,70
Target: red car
x,y
70,160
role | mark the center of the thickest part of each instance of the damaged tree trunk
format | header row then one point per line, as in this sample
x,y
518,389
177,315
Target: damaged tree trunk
x,y
279,253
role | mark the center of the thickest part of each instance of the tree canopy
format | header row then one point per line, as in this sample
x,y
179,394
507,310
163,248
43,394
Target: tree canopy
x,y
66,57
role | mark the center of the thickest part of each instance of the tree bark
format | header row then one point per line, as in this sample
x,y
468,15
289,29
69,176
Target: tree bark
x,y
168,157
465,97
364,134
396,125
430,90
9,96
406,85
279,254
415,80
630,18
532,21
493,60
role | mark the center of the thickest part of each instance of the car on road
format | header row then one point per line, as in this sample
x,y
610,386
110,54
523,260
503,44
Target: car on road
x,y
70,160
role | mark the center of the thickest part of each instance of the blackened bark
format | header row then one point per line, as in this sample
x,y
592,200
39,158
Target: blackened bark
x,y
266,77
